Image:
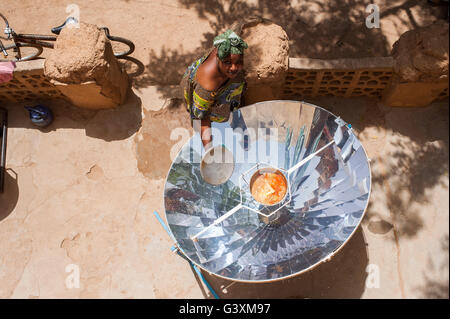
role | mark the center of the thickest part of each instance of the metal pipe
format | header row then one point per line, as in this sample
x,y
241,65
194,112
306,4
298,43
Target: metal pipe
x,y
3,132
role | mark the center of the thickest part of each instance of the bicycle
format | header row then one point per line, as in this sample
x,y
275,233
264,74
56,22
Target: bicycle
x,y
39,41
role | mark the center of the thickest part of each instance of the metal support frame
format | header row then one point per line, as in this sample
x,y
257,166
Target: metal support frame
x,y
3,136
178,251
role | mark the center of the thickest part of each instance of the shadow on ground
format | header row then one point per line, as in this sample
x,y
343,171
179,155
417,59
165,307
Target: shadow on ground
x,y
414,161
162,134
109,125
435,284
10,195
344,276
316,29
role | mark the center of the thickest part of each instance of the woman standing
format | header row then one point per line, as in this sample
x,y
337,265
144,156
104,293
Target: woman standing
x,y
213,86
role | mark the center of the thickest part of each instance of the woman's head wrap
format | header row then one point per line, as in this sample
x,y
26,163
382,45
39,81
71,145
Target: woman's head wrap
x,y
229,43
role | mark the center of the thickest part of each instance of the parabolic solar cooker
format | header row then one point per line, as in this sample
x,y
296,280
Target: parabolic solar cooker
x,y
227,230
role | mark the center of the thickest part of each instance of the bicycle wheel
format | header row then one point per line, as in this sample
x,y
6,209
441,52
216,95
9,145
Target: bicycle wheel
x,y
30,54
124,41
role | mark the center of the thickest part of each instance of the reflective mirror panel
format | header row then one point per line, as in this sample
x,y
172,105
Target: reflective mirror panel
x,y
328,179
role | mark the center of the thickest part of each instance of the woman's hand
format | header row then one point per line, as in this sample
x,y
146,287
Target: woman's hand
x,y
205,133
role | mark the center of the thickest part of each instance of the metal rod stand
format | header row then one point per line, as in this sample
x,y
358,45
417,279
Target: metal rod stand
x,y
177,250
3,136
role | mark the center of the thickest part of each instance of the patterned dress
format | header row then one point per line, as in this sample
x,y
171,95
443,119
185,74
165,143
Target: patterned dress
x,y
216,105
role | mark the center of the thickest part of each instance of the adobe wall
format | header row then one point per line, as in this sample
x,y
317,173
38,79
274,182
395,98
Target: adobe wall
x,y
28,84
415,75
341,77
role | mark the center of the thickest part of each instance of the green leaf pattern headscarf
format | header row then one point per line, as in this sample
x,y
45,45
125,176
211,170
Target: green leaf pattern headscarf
x,y
229,43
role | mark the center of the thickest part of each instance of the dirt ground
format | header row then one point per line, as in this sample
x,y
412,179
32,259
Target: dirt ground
x,y
83,191
170,34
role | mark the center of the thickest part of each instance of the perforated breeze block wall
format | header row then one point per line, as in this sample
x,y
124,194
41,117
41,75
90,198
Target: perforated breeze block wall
x,y
28,84
341,77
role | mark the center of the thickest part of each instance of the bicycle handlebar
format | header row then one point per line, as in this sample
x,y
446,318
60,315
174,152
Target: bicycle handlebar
x,y
57,30
4,18
7,30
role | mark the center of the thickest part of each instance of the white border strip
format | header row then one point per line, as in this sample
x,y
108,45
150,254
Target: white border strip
x,y
218,220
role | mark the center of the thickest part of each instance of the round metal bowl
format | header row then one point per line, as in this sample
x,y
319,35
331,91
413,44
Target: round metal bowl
x,y
217,165
262,171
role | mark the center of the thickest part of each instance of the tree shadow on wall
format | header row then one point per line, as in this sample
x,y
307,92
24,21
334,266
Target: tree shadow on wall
x,y
438,11
316,29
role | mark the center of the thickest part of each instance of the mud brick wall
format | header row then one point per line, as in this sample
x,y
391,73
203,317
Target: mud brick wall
x,y
305,78
28,84
341,77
